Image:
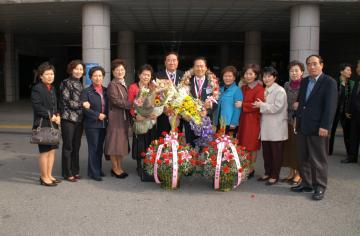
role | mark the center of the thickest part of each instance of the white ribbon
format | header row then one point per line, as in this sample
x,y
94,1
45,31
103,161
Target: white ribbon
x,y
220,147
156,164
238,164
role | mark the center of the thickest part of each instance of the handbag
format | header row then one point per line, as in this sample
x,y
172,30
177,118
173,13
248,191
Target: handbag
x,y
46,135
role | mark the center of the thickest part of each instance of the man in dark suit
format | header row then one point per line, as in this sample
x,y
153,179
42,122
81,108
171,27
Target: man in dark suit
x,y
171,72
199,90
355,120
317,99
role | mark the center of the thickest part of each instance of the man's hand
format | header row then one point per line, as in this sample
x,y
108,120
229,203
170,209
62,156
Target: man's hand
x,y
323,132
102,116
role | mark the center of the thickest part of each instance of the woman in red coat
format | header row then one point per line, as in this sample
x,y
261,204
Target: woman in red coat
x,y
249,127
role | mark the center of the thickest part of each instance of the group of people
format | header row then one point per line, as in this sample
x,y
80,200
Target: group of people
x,y
292,123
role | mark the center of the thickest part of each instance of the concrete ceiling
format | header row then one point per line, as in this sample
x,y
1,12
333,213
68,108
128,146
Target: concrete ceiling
x,y
182,16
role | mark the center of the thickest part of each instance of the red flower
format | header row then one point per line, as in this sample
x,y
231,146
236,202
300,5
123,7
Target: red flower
x,y
180,147
161,140
206,149
226,169
213,163
159,162
142,154
164,133
152,161
213,158
180,134
176,129
146,161
241,170
167,162
193,162
180,161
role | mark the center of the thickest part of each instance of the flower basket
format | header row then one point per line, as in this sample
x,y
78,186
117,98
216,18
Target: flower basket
x,y
167,159
224,162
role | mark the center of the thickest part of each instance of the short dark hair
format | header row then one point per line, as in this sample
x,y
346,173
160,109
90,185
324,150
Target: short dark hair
x,y
116,63
231,69
44,67
72,64
171,53
297,63
342,66
146,67
315,55
200,58
253,67
270,71
96,68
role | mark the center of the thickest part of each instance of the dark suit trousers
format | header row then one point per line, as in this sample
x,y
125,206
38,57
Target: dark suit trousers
x,y
273,152
354,137
71,136
345,124
95,138
313,162
189,134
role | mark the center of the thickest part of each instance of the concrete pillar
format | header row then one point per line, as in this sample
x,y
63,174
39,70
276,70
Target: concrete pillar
x,y
9,69
304,31
252,50
224,56
96,36
126,52
141,55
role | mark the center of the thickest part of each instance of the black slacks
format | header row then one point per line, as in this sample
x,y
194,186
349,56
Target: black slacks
x,y
95,139
345,124
313,160
71,135
273,152
354,137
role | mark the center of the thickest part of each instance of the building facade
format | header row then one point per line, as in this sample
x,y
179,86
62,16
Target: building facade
x,y
225,32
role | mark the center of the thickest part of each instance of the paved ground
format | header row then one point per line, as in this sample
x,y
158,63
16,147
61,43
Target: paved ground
x,y
130,207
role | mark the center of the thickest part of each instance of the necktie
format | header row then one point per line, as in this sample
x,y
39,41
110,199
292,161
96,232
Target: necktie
x,y
172,77
310,88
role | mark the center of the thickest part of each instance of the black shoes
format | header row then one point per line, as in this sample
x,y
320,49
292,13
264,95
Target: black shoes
x,y
97,178
318,194
301,188
269,182
347,161
56,181
42,182
123,175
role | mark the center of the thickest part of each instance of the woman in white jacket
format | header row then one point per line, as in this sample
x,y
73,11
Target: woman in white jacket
x,y
274,128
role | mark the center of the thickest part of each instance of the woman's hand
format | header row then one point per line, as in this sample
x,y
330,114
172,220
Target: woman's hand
x,y
102,116
153,117
140,118
257,103
86,105
56,119
238,104
295,105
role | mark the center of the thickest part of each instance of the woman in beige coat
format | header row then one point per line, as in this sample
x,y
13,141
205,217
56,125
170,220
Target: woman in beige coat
x,y
117,141
274,129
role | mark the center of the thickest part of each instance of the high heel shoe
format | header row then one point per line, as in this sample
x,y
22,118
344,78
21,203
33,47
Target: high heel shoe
x,y
123,175
42,182
56,181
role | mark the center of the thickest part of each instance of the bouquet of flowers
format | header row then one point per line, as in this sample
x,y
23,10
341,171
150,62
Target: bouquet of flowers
x,y
150,103
222,161
168,158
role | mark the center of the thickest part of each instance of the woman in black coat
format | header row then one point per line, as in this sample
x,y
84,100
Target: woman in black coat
x,y
43,99
95,102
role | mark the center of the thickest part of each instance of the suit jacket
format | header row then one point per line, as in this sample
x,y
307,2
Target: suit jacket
x,y
319,110
162,75
205,92
91,115
43,101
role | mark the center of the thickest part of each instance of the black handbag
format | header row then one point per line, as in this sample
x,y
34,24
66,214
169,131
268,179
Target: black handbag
x,y
46,135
